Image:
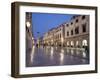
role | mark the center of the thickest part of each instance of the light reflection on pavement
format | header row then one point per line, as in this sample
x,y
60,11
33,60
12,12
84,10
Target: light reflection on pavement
x,y
55,56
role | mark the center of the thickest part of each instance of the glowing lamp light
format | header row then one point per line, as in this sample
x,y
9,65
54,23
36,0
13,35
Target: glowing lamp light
x,y
32,38
28,24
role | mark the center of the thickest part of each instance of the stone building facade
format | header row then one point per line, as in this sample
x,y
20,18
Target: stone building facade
x,y
55,36
48,38
74,33
77,32
59,35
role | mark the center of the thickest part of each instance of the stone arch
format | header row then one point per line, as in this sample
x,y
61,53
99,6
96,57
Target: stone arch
x,y
68,43
72,43
85,45
78,43
84,42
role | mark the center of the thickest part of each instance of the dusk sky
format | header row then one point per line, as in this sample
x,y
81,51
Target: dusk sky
x,y
43,22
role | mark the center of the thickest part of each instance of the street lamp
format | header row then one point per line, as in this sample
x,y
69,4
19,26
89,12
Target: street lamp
x,y
28,24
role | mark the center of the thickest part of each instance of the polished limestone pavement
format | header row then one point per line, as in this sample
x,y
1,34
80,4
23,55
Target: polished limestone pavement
x,y
55,56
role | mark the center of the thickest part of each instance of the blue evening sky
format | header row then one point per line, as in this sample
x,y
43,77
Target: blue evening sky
x,y
43,22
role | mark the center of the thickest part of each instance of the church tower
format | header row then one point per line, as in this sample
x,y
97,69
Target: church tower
x,y
29,35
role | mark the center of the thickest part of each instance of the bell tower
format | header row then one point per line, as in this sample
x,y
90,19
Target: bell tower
x,y
29,35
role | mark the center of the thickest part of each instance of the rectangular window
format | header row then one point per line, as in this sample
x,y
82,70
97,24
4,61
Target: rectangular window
x,y
84,27
76,20
71,32
60,35
83,17
77,30
71,23
67,33
67,25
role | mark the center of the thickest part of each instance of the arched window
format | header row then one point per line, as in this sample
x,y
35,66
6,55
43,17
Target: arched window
x,y
84,43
